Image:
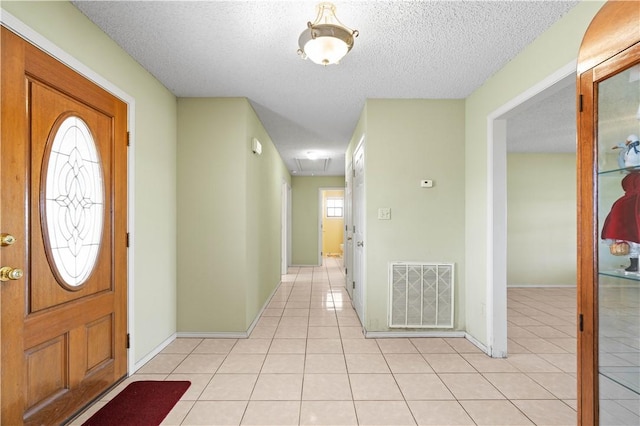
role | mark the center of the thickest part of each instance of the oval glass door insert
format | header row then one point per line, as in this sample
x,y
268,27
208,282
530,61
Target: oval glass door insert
x,y
73,214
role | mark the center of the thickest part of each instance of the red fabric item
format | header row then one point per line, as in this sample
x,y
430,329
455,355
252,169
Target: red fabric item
x,y
623,221
143,403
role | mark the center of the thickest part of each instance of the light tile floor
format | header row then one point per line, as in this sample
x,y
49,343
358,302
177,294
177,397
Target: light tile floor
x,y
308,363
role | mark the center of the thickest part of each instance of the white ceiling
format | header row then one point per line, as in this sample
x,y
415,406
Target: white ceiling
x,y
406,49
547,122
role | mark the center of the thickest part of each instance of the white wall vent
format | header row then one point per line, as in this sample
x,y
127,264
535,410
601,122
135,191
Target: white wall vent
x,y
421,295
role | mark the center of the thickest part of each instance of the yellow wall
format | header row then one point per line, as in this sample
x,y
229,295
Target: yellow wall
x,y
332,227
541,224
305,208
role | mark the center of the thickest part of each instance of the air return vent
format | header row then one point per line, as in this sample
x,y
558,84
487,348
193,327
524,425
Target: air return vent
x,y
421,295
306,165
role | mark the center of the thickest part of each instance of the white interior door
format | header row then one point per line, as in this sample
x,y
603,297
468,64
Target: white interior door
x,y
286,231
348,233
320,228
359,232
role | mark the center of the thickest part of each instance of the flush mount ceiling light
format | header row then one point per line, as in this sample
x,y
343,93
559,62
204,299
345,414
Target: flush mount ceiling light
x,y
326,40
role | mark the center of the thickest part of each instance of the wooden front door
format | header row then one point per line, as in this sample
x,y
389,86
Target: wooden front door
x,y
63,219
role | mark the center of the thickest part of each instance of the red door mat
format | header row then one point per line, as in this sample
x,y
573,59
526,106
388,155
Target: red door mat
x,y
143,403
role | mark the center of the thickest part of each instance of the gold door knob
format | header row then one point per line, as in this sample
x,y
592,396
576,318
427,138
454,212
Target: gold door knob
x,y
7,239
8,273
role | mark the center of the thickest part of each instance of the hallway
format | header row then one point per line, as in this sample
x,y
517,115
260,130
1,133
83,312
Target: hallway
x,y
308,363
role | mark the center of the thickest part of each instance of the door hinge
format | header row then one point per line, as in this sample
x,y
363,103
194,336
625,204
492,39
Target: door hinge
x,y
581,322
128,341
354,172
346,271
354,285
354,229
127,240
580,103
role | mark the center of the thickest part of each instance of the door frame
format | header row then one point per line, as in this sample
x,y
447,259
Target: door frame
x,y
30,35
285,255
347,255
496,261
321,215
358,299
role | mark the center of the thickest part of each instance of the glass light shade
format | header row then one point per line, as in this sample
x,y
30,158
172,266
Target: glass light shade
x,y
326,40
326,50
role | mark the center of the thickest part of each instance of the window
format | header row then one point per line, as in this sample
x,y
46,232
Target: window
x,y
74,202
335,207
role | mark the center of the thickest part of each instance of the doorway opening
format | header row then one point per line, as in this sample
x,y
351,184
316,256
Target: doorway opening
x,y
498,135
285,244
541,234
332,222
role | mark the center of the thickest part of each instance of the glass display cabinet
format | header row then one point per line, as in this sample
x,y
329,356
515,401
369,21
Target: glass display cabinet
x,y
608,120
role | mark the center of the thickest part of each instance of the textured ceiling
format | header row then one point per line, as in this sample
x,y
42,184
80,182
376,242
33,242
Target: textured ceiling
x,y
547,123
406,49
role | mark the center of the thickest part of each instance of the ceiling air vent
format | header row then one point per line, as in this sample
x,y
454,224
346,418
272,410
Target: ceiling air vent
x,y
306,165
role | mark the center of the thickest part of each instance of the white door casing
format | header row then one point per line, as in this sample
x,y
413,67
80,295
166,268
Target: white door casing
x,y
359,233
285,256
348,233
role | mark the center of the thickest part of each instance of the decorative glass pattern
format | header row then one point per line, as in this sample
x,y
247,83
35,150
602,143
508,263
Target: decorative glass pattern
x,y
74,202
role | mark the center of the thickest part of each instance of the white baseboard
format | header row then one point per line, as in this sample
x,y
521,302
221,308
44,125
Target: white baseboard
x,y
395,334
521,285
475,342
445,334
213,334
231,334
264,306
153,353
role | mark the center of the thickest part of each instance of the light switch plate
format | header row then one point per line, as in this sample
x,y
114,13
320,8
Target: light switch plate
x,y
384,213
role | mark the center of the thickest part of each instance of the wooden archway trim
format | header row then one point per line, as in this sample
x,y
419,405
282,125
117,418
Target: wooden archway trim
x,y
609,33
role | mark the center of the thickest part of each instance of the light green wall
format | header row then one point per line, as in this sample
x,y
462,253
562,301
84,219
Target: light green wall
x,y
265,175
407,141
554,49
229,207
541,225
212,211
155,160
305,219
